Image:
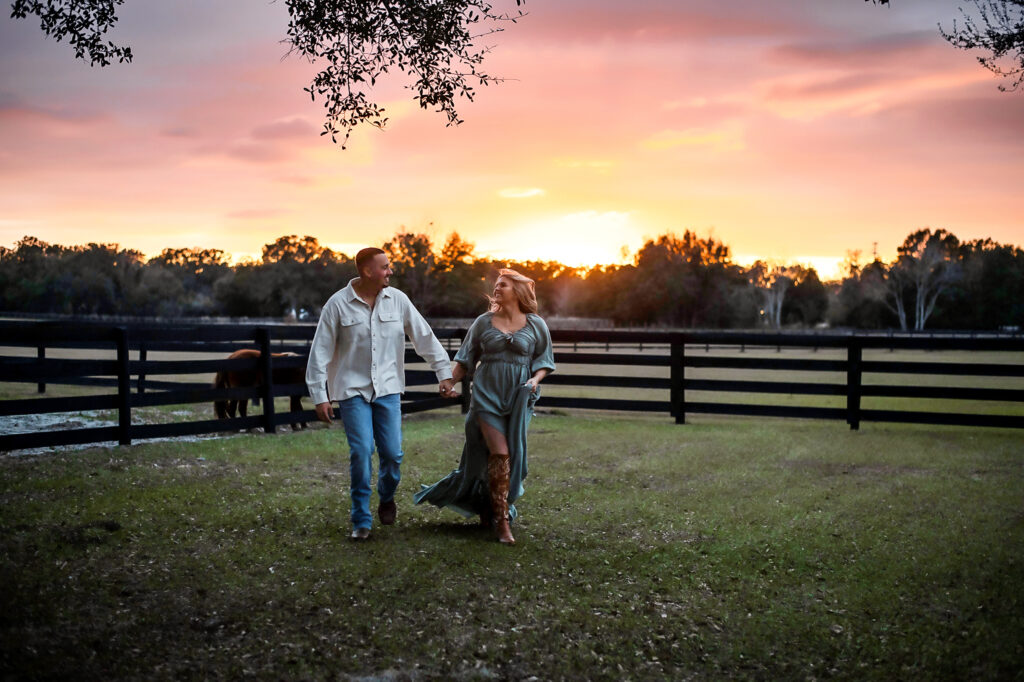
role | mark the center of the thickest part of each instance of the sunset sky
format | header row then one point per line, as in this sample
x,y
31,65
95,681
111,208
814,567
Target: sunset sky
x,y
793,130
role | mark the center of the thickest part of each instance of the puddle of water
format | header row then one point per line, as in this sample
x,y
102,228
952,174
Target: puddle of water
x,y
65,421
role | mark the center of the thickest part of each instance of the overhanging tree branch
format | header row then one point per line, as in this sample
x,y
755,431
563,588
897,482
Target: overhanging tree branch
x,y
995,26
434,42
83,23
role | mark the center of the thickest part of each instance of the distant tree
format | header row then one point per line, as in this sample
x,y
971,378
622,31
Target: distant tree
x,y
807,302
455,252
294,274
997,27
990,292
162,293
103,279
293,249
860,301
195,270
414,263
925,267
245,293
772,280
600,292
686,281
436,44
30,274
897,286
459,279
299,273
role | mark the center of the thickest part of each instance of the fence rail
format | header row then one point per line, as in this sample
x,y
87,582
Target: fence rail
x,y
587,358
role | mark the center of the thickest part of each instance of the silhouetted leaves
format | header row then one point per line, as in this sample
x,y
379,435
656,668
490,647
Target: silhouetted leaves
x,y
83,23
437,45
997,27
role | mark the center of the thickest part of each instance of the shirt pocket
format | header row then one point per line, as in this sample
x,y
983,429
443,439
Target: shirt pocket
x,y
389,313
349,328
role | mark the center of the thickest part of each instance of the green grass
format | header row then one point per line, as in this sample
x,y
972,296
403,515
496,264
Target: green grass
x,y
761,549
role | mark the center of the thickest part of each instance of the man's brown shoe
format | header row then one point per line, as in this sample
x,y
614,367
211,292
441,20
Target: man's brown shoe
x,y
387,512
359,534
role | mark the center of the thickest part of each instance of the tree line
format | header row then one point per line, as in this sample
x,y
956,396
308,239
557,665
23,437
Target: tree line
x,y
936,281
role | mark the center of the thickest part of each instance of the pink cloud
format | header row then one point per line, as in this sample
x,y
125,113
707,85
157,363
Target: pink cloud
x,y
984,115
180,131
830,87
649,22
290,128
885,50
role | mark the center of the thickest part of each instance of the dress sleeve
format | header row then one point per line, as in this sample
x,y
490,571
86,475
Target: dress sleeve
x,y
469,351
543,354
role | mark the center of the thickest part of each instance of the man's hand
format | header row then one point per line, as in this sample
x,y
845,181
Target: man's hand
x,y
447,389
323,412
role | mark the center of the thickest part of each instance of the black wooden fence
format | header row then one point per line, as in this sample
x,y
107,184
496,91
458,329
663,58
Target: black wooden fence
x,y
133,387
683,358
595,359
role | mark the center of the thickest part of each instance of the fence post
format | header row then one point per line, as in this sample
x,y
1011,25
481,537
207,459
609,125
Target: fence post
x,y
41,355
124,390
267,370
677,392
853,382
142,373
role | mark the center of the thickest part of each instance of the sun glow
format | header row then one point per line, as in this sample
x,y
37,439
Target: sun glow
x,y
828,268
578,240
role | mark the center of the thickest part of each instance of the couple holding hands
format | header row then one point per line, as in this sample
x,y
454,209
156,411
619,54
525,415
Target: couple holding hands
x,y
358,359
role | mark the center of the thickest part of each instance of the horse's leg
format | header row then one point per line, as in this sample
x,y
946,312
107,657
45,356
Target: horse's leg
x,y
243,408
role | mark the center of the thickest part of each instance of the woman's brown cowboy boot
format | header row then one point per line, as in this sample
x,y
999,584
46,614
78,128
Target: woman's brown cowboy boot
x,y
498,472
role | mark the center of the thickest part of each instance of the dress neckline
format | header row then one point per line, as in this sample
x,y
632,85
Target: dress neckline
x,y
490,321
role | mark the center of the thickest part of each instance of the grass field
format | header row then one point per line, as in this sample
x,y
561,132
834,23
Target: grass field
x,y
726,548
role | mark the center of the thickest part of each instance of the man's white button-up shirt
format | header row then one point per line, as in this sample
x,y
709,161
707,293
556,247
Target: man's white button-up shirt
x,y
361,351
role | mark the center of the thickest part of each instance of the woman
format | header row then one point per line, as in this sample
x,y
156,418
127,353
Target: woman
x,y
512,345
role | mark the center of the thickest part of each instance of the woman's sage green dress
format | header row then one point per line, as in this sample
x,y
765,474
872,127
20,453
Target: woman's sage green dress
x,y
506,362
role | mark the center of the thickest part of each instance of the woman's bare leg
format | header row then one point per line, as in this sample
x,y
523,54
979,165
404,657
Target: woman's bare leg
x,y
495,439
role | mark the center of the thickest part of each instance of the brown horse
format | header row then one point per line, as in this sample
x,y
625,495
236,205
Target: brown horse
x,y
244,378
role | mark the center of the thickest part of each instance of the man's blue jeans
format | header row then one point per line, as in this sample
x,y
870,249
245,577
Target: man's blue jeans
x,y
366,424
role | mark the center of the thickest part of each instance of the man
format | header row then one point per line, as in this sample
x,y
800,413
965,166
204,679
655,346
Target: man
x,y
358,359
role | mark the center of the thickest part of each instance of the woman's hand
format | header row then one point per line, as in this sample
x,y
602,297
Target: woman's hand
x,y
447,389
534,381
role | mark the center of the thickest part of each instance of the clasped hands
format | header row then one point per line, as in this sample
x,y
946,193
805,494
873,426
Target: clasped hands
x,y
447,389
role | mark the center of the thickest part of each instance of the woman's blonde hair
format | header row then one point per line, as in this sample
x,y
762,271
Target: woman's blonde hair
x,y
524,289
